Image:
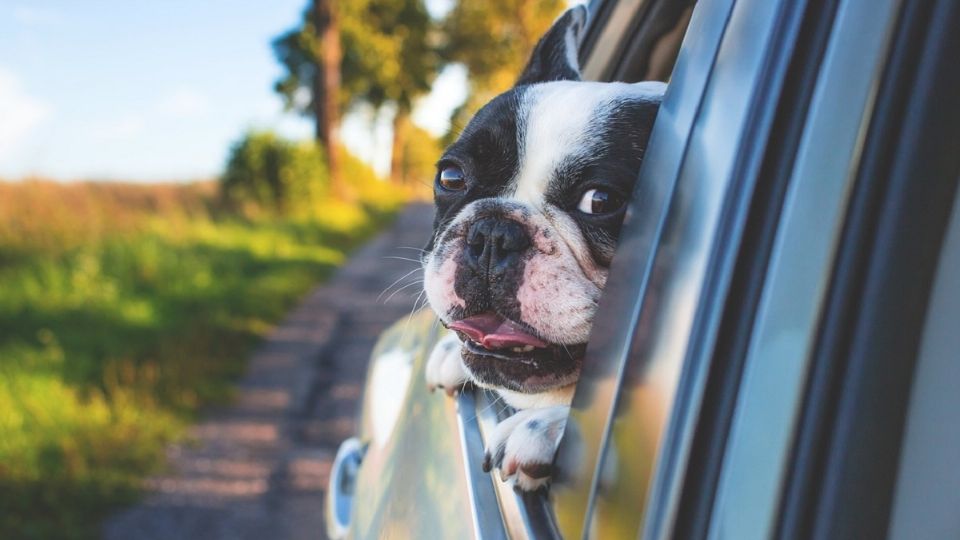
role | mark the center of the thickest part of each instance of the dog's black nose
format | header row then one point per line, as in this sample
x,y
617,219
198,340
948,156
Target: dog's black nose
x,y
494,243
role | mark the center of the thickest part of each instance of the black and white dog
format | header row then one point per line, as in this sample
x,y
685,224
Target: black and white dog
x,y
530,200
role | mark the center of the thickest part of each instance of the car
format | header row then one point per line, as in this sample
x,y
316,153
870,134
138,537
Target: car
x,y
776,350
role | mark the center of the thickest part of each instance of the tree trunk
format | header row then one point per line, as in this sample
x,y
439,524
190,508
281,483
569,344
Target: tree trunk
x,y
401,131
326,90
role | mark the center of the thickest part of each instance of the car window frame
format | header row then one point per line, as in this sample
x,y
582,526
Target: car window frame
x,y
531,515
607,353
685,167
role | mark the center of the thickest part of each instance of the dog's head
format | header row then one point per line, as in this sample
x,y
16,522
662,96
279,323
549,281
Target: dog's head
x,y
530,200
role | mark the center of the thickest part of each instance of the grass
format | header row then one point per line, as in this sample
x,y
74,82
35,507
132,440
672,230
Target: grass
x,y
123,310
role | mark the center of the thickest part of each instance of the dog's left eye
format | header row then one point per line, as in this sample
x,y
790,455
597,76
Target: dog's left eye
x,y
451,178
598,201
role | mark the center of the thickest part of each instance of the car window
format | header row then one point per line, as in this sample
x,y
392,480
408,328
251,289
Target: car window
x,y
629,41
653,280
495,509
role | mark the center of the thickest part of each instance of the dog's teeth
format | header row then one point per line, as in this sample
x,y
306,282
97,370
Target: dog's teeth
x,y
525,348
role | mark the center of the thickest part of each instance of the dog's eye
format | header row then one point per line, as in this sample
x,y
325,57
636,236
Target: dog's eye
x,y
451,178
598,201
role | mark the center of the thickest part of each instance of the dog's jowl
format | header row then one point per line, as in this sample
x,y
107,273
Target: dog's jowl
x,y
530,200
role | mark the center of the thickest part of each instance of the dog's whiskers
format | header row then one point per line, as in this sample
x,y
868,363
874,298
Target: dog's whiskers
x,y
401,278
402,259
414,310
407,286
421,250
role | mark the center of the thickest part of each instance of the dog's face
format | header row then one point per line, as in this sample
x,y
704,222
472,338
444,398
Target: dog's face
x,y
530,200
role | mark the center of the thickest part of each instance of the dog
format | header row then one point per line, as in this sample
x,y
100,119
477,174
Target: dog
x,y
529,203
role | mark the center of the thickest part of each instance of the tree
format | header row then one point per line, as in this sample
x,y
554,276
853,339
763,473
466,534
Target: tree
x,y
493,39
388,57
312,57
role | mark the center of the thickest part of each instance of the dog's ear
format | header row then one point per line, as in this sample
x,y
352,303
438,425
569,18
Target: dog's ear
x,y
555,56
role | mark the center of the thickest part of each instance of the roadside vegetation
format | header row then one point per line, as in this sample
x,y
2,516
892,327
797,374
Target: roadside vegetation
x,y
125,308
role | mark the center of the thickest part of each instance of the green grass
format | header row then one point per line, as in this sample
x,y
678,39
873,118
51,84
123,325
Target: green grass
x,y
109,346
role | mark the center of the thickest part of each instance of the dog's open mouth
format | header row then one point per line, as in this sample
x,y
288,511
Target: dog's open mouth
x,y
503,353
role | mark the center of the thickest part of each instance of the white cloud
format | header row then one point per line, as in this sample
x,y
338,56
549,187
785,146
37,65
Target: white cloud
x,y
21,113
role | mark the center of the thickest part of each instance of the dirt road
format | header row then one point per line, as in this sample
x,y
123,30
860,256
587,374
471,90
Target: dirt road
x,y
258,468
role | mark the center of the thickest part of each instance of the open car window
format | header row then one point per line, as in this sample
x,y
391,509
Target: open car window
x,y
626,41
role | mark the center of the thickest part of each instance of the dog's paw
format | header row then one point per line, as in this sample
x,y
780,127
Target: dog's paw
x,y
445,367
522,446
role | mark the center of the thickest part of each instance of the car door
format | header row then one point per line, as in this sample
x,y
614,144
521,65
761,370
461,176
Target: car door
x,y
711,385
701,418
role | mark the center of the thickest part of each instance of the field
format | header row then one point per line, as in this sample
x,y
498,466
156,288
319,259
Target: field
x,y
123,310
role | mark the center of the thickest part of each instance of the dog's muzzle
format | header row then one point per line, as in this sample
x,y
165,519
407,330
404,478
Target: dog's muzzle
x,y
494,245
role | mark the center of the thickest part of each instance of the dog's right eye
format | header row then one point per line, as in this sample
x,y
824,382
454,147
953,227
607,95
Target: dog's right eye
x,y
599,201
451,178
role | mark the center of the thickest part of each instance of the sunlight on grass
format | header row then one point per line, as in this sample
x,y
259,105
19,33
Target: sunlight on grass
x,y
121,313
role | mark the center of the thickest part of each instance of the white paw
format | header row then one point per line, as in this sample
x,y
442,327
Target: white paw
x,y
522,446
445,367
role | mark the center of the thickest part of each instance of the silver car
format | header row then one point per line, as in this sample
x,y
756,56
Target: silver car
x,y
777,353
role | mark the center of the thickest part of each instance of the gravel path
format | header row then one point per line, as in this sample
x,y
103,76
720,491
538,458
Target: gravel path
x,y
258,468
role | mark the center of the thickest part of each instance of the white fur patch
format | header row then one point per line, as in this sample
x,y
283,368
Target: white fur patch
x,y
445,366
527,439
438,283
557,119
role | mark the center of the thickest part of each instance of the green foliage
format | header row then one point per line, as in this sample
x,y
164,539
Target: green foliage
x,y
387,52
493,39
387,55
376,195
112,337
268,174
295,51
419,156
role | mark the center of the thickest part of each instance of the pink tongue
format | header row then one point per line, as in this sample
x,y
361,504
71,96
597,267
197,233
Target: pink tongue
x,y
494,332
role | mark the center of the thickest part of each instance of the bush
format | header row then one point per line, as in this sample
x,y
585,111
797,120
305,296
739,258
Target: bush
x,y
267,174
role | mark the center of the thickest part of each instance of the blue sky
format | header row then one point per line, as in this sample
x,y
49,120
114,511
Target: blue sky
x,y
154,90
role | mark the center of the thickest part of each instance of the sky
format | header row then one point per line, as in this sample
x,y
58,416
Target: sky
x,y
158,90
